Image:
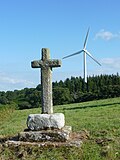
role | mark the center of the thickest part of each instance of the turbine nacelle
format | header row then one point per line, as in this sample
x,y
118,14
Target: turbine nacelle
x,y
85,53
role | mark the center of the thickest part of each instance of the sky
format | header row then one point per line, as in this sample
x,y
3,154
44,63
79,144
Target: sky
x,y
27,26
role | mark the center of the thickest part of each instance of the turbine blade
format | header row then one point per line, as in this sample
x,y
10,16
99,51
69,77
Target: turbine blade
x,y
88,53
86,38
73,54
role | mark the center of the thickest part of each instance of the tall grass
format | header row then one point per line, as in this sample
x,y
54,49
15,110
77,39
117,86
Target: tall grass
x,y
101,118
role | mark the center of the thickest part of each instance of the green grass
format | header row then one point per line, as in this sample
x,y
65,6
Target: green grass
x,y
101,118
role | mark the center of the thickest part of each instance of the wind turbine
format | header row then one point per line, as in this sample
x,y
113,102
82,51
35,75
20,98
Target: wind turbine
x,y
85,52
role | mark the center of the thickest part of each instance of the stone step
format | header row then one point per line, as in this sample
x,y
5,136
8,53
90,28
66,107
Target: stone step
x,y
56,135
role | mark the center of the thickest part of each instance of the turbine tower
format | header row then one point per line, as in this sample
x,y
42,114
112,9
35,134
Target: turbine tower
x,y
85,52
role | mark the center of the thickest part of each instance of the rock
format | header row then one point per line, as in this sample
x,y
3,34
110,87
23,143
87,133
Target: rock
x,y
76,143
36,122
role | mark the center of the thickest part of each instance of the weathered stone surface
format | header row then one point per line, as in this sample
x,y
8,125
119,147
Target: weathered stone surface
x,y
46,135
46,65
38,122
69,143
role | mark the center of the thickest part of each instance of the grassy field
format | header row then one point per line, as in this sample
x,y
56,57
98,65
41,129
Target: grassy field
x,y
100,118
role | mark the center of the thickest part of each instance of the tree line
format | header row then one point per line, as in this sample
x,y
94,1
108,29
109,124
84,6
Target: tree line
x,y
72,90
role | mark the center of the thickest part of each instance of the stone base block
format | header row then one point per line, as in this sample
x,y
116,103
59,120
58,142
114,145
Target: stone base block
x,y
46,135
36,122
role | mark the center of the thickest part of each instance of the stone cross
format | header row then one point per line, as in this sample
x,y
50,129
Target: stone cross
x,y
46,64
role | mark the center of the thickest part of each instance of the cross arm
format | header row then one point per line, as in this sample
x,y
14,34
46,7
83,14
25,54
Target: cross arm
x,y
37,64
54,63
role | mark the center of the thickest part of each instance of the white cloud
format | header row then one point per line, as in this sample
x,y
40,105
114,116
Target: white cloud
x,y
108,66
106,35
111,62
12,83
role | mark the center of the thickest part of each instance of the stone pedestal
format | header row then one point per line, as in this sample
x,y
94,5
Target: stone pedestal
x,y
36,122
46,128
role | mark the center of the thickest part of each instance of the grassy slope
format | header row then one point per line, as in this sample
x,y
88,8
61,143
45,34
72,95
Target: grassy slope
x,y
101,118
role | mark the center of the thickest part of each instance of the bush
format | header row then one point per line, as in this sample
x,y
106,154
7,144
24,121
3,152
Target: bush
x,y
61,96
24,105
